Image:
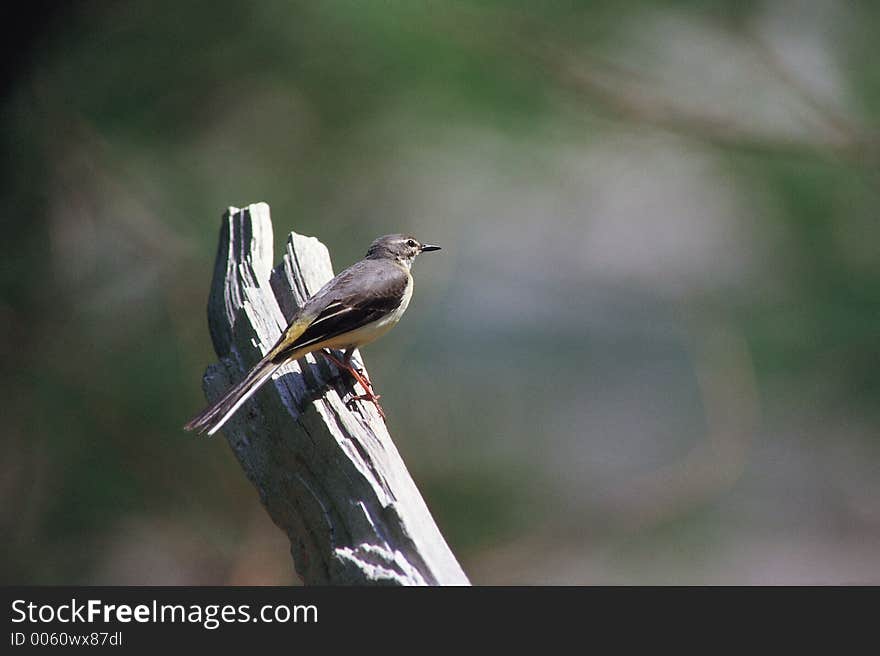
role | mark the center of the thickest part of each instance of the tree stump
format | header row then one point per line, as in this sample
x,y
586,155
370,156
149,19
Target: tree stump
x,y
328,473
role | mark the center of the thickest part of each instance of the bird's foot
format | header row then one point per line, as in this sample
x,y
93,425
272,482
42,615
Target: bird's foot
x,y
361,378
372,398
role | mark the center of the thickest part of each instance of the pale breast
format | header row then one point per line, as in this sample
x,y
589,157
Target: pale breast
x,y
373,331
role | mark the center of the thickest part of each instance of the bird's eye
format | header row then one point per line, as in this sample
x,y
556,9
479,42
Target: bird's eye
x,y
411,243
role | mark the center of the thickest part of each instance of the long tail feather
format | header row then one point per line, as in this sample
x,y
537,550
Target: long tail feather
x,y
212,418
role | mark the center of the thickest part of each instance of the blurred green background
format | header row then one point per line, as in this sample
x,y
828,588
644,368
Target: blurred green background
x,y
648,352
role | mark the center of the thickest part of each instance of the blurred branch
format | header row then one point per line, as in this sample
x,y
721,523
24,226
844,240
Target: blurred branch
x,y
848,130
625,95
328,475
612,89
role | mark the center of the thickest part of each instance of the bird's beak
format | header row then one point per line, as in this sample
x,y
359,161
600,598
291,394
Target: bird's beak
x,y
429,247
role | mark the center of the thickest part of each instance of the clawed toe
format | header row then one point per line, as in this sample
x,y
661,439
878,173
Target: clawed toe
x,y
367,397
373,398
359,376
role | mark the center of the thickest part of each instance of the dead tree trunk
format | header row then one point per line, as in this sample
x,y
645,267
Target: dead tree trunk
x,y
327,473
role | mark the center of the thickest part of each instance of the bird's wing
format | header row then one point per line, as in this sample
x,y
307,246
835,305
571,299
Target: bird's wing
x,y
363,293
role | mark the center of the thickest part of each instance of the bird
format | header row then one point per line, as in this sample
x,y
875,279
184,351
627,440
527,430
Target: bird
x,y
354,308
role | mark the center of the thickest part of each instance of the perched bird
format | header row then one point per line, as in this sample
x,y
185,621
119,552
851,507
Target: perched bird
x,y
356,307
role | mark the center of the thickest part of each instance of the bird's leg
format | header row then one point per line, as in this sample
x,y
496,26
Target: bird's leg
x,y
345,364
346,357
361,376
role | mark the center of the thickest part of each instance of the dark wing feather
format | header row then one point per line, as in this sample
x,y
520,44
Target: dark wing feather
x,y
360,295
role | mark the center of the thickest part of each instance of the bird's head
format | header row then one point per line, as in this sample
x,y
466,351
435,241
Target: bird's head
x,y
401,248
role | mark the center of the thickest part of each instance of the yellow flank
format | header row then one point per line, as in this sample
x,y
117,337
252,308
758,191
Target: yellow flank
x,y
291,334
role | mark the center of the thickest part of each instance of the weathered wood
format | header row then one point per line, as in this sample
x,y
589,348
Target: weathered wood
x,y
327,473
